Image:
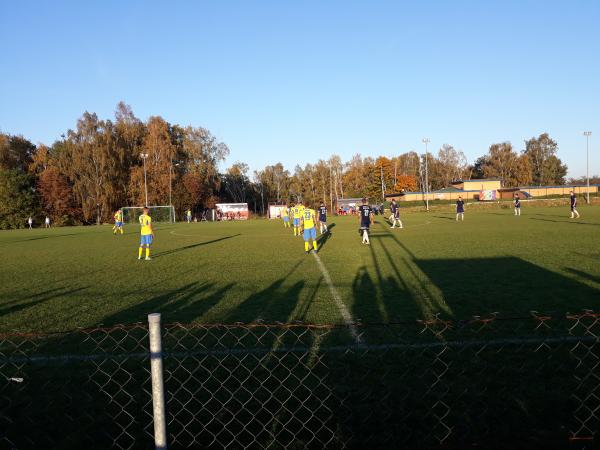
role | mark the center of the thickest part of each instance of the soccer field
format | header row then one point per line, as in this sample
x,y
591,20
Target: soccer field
x,y
64,278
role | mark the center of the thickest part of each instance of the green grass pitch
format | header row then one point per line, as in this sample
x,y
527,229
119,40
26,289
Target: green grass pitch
x,y
64,278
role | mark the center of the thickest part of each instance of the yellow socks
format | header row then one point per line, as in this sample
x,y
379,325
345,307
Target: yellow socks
x,y
307,245
147,252
140,252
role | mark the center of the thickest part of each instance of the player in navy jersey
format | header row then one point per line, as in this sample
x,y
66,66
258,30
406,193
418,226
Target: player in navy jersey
x,y
517,205
396,215
393,206
323,218
574,213
460,209
365,214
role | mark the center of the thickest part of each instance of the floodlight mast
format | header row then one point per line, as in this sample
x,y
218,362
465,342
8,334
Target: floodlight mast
x,y
144,157
171,184
426,141
587,135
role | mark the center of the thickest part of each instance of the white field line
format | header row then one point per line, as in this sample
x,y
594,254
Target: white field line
x,y
338,301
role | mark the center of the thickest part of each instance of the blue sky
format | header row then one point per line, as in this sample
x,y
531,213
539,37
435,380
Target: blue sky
x,y
298,81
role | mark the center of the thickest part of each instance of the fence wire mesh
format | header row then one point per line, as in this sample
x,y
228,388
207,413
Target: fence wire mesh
x,y
486,382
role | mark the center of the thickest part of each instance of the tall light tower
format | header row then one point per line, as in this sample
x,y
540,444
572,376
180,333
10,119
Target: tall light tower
x,y
587,135
171,186
144,157
426,141
171,182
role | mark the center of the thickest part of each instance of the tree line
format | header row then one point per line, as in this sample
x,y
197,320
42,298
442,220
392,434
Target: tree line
x,y
98,167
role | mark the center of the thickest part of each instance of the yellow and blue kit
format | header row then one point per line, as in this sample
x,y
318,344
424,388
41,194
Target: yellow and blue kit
x,y
310,231
285,216
146,230
297,212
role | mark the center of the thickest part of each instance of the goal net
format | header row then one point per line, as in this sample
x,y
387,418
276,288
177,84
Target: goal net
x,y
131,214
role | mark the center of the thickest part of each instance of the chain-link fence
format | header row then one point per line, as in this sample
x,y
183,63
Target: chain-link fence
x,y
485,382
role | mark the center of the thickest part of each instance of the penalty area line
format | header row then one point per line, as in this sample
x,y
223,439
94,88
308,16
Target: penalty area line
x,y
338,301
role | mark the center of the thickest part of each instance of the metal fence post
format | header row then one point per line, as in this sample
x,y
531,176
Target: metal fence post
x,y
158,388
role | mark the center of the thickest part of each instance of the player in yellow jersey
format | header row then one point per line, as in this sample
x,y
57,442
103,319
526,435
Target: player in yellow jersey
x,y
285,215
310,230
297,213
118,222
147,234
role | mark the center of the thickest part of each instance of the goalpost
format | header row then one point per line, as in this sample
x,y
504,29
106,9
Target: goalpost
x,y
159,214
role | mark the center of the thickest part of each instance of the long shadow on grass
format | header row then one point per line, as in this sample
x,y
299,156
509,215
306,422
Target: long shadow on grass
x,y
574,221
275,303
507,285
464,287
199,244
322,240
582,274
37,238
382,301
13,306
401,291
185,304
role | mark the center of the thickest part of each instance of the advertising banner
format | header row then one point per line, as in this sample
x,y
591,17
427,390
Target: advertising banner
x,y
275,211
487,195
232,211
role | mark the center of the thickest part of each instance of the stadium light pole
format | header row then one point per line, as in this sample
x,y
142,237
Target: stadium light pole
x,y
171,182
426,141
587,135
144,157
171,186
